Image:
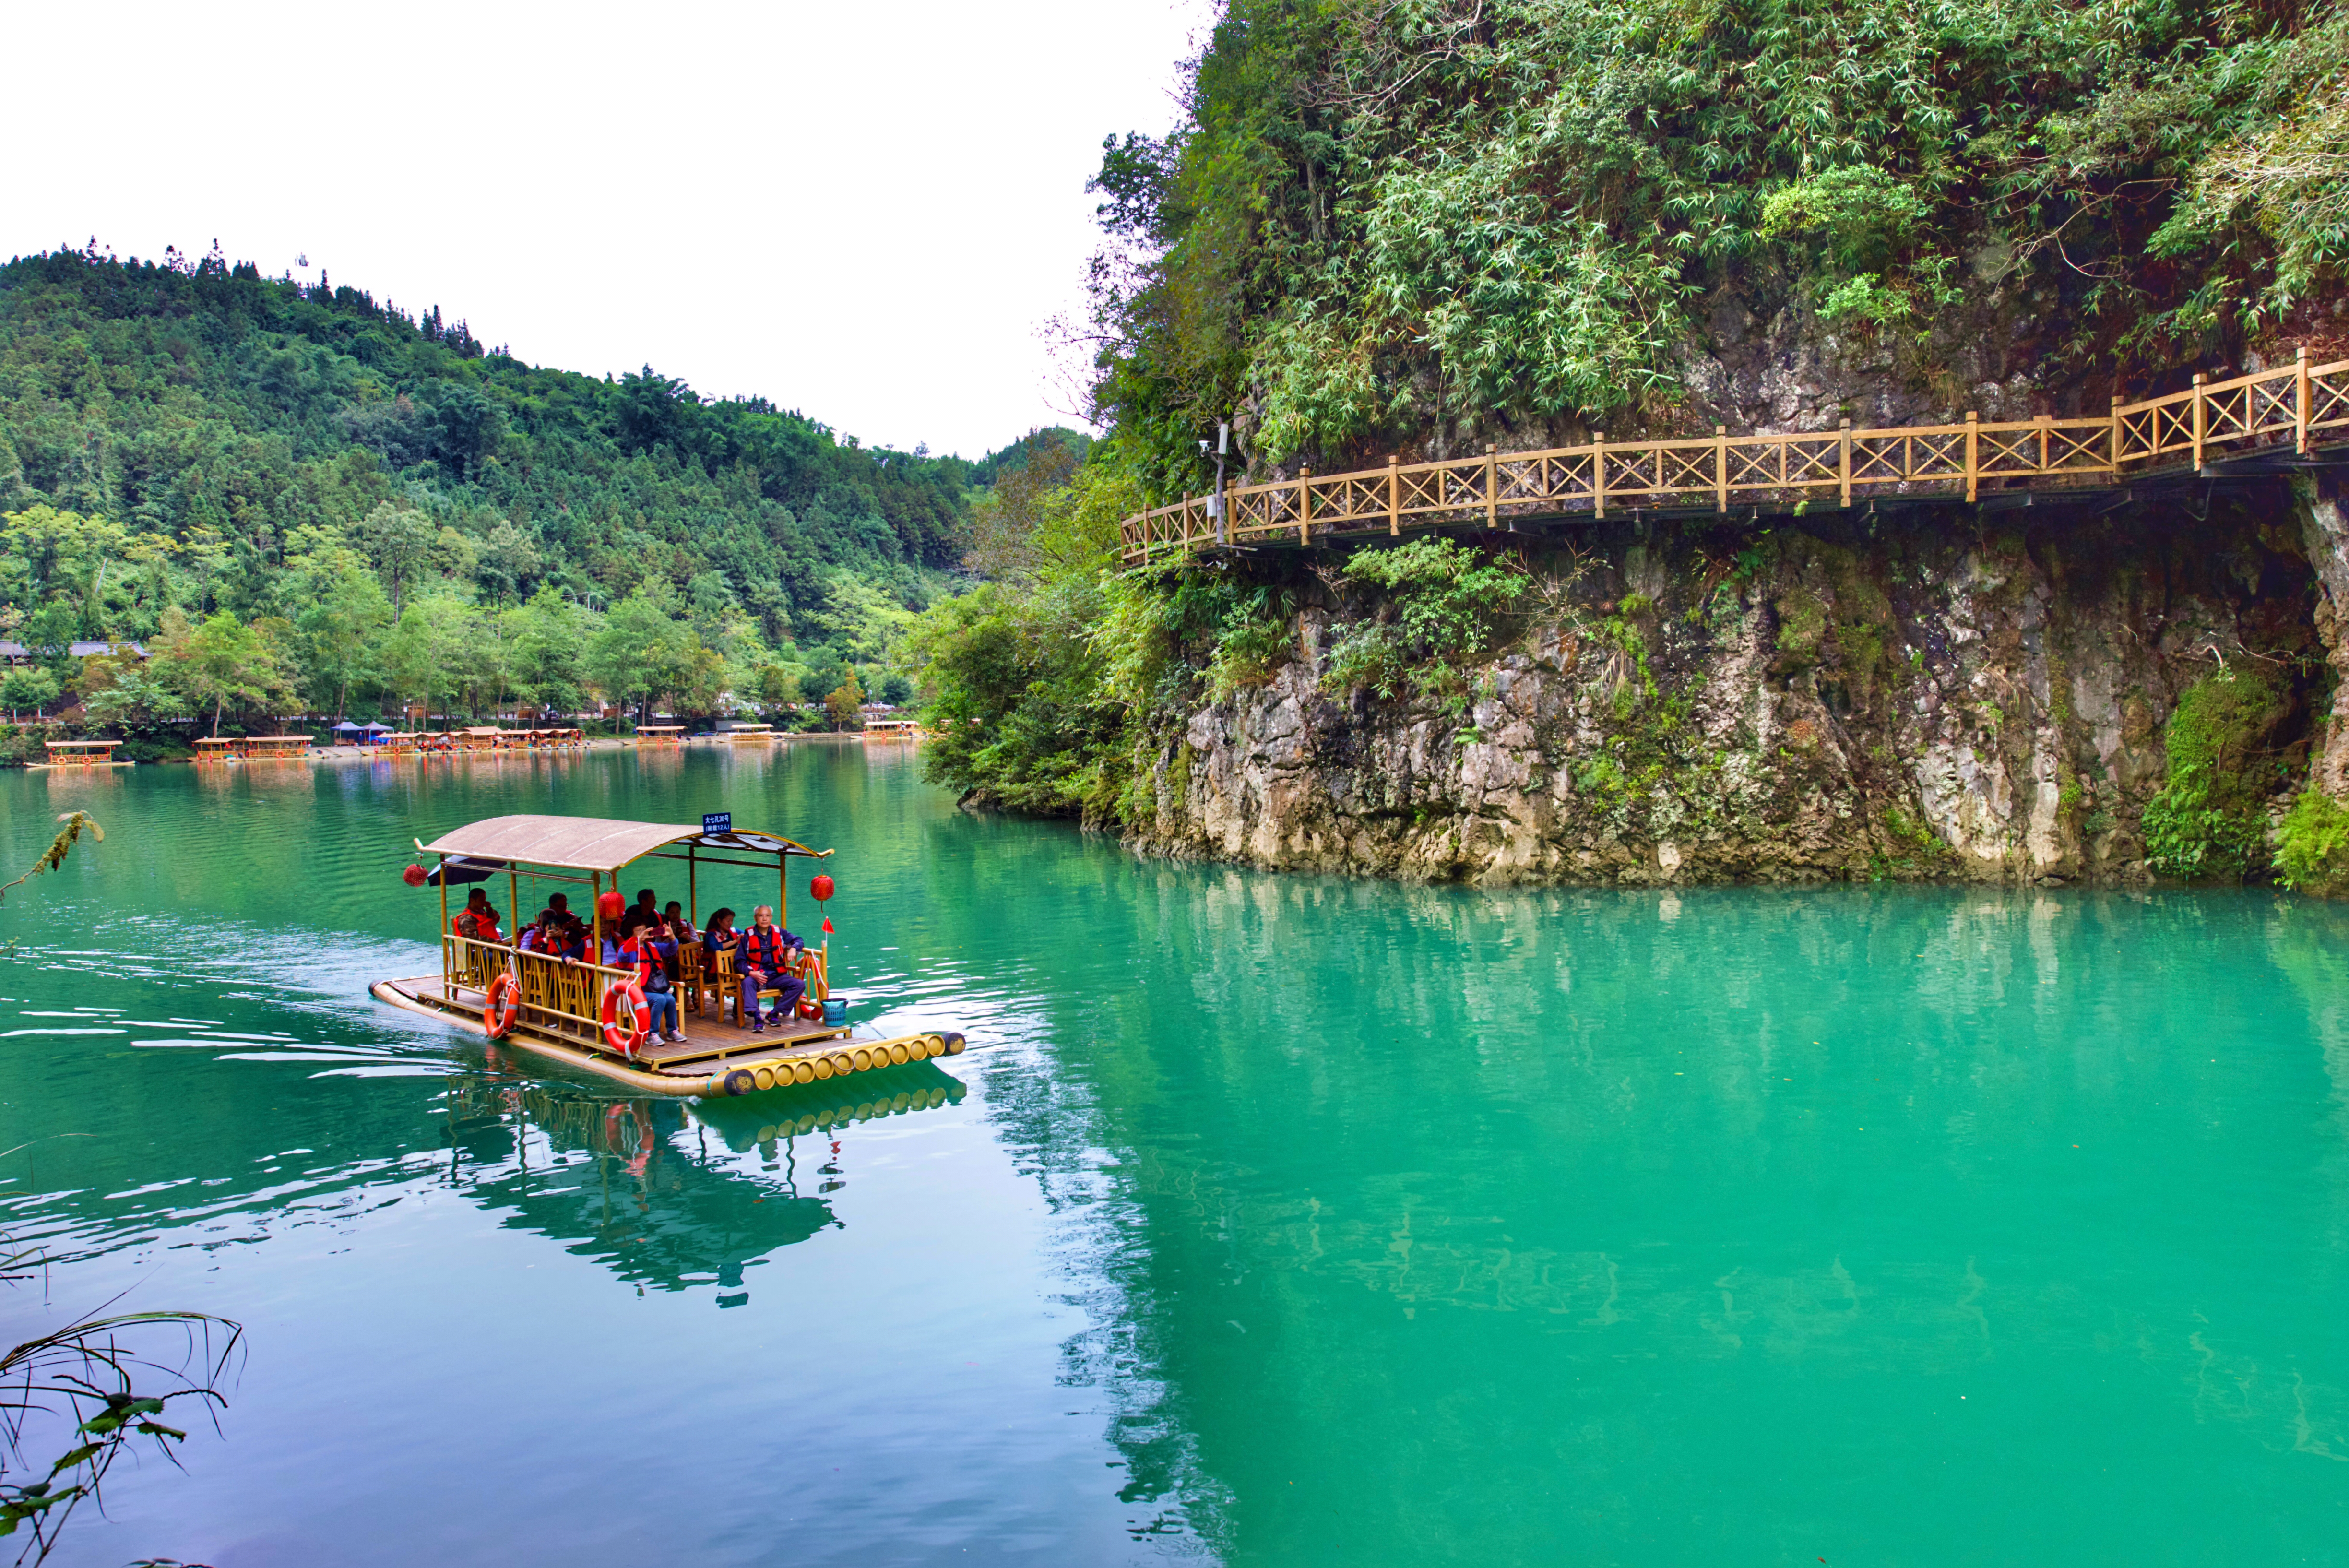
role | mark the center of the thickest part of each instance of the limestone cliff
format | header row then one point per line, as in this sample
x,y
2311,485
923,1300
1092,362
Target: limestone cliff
x,y
1924,693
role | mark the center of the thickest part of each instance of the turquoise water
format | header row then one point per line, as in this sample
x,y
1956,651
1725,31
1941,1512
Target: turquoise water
x,y
1269,1220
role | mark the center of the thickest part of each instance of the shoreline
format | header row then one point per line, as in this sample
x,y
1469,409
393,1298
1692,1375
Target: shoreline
x,y
343,755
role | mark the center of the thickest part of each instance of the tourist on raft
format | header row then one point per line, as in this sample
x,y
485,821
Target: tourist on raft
x,y
760,959
478,920
649,953
718,937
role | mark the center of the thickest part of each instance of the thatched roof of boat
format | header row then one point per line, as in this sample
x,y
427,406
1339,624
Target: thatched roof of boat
x,y
594,842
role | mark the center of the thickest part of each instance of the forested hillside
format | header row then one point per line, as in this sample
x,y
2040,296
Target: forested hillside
x,y
385,511
1418,228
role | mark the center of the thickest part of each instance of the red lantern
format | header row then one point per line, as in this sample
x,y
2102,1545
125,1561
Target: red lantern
x,y
610,907
820,888
414,876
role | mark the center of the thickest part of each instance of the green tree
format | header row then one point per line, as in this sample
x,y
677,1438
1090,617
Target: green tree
x,y
427,657
342,628
845,703
400,541
28,686
639,654
134,700
549,637
218,662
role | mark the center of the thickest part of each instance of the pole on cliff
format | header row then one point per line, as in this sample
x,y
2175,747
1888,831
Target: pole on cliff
x,y
1223,445
2299,403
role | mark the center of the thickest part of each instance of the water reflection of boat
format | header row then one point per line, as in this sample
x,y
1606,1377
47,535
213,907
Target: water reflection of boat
x,y
592,1016
615,1183
629,1184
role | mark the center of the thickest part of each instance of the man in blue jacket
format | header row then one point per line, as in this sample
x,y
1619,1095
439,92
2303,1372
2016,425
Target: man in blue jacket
x,y
762,959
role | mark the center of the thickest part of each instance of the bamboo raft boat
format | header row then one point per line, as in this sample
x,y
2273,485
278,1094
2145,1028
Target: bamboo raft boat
x,y
565,1009
70,756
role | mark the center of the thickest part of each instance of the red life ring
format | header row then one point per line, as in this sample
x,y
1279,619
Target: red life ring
x,y
505,1002
626,1041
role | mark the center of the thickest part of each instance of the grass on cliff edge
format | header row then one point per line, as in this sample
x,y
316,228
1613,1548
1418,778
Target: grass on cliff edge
x,y
2209,821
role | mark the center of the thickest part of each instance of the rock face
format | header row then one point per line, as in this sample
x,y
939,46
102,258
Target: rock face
x,y
1927,693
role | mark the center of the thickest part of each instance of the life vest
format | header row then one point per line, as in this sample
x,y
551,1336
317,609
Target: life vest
x,y
762,949
652,969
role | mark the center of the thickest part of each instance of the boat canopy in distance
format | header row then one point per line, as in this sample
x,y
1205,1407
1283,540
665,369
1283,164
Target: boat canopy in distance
x,y
596,843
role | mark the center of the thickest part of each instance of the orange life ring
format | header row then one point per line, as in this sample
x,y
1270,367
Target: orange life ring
x,y
505,1003
626,1041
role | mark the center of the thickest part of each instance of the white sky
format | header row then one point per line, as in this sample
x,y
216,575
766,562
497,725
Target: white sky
x,y
862,212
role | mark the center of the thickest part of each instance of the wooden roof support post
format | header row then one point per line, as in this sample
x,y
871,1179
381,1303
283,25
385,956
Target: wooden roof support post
x,y
2199,417
1721,468
1493,474
1599,473
1395,495
1973,454
1845,433
2300,402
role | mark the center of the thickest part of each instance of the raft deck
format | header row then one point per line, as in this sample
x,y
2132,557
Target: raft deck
x,y
715,1058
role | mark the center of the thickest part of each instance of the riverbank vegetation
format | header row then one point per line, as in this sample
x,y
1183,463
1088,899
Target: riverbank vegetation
x,y
305,497
1415,228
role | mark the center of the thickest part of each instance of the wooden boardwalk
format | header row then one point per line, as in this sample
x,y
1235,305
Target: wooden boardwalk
x,y
2279,410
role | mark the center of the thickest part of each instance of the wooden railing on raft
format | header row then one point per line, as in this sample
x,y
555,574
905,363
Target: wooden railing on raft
x,y
566,996
2268,409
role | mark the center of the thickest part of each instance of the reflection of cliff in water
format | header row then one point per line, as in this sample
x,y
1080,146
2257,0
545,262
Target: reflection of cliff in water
x,y
655,1191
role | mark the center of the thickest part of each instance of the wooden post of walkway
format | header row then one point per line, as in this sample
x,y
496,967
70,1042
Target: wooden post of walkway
x,y
2199,380
1720,467
1599,472
1305,506
1493,474
2299,403
1847,465
1395,495
2044,420
2115,437
1974,452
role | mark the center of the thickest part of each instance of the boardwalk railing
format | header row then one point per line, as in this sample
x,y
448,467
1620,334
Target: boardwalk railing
x,y
2266,410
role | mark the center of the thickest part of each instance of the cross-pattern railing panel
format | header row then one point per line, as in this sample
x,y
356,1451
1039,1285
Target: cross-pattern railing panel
x,y
2262,408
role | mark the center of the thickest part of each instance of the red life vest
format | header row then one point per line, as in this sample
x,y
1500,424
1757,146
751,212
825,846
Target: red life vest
x,y
647,960
763,949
